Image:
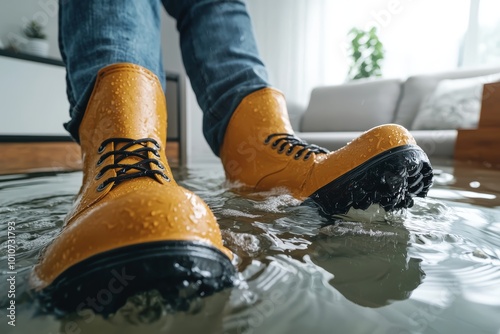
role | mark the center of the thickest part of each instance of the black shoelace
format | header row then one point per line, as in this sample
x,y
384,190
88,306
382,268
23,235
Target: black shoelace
x,y
287,139
143,166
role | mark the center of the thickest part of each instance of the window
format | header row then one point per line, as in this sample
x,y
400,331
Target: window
x,y
482,41
489,32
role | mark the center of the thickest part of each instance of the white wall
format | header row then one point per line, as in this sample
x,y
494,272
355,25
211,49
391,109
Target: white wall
x,y
37,106
32,95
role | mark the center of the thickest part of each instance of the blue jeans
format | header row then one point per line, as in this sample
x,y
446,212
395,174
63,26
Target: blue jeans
x,y
217,43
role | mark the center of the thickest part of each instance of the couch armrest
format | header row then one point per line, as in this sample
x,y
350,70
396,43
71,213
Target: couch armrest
x,y
351,107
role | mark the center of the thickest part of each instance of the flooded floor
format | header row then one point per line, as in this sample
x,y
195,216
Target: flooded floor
x,y
432,269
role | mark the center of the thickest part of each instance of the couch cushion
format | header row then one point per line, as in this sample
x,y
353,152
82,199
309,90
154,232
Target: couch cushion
x,y
417,88
455,104
440,143
351,107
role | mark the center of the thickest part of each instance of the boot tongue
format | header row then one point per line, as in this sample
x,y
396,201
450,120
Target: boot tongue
x,y
127,102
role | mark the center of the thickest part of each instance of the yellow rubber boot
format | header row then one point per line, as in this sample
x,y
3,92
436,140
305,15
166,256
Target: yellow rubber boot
x,y
383,166
131,228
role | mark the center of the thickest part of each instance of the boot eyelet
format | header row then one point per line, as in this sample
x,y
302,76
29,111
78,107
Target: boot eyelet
x,y
274,145
281,150
157,154
289,152
296,157
99,162
266,141
165,177
101,187
161,166
307,157
100,149
99,175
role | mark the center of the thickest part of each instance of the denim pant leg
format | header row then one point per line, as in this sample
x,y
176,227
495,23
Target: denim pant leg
x,y
96,33
220,56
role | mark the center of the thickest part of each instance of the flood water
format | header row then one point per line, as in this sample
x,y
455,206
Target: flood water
x,y
434,268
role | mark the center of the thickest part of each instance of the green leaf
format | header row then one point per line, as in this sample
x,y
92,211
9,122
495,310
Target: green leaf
x,y
366,52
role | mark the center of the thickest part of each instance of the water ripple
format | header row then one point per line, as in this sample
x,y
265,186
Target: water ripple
x,y
423,270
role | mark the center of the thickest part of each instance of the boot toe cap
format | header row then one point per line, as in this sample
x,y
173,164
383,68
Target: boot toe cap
x,y
139,217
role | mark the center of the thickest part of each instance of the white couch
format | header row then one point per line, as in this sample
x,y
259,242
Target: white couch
x,y
337,114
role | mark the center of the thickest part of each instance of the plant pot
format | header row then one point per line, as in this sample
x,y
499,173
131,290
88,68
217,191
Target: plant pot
x,y
37,47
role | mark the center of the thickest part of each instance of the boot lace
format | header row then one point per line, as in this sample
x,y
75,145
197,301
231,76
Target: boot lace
x,y
142,167
288,139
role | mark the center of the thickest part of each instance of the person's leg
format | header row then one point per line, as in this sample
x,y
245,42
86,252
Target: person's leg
x,y
221,58
132,227
246,123
95,34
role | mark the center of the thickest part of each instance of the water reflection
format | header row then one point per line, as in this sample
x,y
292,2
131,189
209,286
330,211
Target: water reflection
x,y
149,312
370,266
470,183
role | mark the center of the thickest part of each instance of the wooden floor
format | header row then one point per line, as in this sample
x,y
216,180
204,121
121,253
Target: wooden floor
x,y
53,157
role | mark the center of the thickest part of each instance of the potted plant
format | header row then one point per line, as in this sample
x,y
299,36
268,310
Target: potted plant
x,y
36,44
367,53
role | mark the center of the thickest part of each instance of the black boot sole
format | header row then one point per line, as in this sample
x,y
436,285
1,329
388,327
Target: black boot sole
x,y
180,270
390,179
